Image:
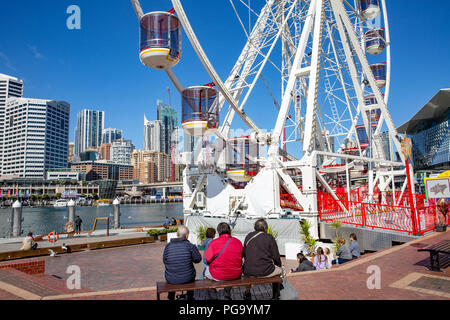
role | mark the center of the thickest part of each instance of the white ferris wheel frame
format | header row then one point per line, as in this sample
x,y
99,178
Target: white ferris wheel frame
x,y
232,90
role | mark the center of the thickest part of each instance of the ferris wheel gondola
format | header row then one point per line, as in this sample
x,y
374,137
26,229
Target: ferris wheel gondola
x,y
379,72
374,41
160,46
242,159
369,8
200,115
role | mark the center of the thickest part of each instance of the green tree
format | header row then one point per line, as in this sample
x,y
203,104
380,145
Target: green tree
x,y
336,225
306,236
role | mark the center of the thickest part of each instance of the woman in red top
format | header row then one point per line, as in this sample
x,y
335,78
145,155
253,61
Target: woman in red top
x,y
224,256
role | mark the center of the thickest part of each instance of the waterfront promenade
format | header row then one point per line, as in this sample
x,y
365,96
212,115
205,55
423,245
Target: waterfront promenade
x,y
132,272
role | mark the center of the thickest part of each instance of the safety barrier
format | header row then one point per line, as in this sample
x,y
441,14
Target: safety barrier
x,y
401,218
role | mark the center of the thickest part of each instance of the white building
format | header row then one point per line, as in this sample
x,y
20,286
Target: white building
x,y
110,134
10,87
121,151
65,174
36,137
152,135
88,133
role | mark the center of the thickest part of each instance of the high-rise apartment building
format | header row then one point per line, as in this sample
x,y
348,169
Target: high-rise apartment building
x,y
35,137
146,172
110,134
121,151
169,121
161,160
105,151
88,133
152,135
10,87
71,151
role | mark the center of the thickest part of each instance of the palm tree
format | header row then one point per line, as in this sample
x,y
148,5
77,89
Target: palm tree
x,y
307,238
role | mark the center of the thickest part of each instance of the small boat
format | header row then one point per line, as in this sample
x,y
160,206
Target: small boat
x,y
61,203
103,203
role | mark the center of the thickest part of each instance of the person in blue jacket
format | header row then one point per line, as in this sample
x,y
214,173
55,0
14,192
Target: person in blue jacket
x,y
179,258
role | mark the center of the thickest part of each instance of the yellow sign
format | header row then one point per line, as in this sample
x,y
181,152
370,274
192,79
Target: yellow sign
x,y
445,174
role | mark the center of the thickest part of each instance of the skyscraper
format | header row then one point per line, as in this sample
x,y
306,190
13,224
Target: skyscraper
x,y
109,135
10,87
152,135
169,121
141,158
88,133
121,151
36,137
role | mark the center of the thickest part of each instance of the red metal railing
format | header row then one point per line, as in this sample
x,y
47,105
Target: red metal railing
x,y
287,201
384,215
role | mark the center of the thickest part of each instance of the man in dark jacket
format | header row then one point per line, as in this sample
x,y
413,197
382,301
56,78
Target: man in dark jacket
x,y
78,222
179,258
262,258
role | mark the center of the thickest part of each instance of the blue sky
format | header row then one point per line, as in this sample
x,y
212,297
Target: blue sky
x,y
98,66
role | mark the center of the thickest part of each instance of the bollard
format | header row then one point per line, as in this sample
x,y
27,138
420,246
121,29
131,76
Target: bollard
x,y
17,219
71,211
116,206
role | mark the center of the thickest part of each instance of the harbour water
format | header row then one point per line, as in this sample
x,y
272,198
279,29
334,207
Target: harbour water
x,y
41,221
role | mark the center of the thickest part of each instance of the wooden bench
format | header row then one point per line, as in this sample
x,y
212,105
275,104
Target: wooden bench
x,y
434,250
164,287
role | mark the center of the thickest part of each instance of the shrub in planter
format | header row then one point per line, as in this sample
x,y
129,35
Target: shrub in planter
x,y
163,231
272,232
306,236
201,236
154,233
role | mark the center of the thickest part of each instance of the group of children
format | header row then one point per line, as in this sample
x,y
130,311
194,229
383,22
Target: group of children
x,y
322,259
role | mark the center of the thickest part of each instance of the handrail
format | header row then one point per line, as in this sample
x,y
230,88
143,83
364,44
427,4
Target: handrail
x,y
95,225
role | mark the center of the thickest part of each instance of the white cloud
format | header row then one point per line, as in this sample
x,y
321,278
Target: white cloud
x,y
6,62
36,53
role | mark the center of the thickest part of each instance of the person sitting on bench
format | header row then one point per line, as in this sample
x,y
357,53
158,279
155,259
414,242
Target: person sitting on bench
x,y
261,256
179,258
224,258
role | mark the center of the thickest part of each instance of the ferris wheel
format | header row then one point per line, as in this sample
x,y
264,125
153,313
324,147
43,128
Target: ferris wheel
x,y
331,59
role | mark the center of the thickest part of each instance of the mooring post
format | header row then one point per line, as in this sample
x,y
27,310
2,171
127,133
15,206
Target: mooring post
x,y
116,206
71,211
17,219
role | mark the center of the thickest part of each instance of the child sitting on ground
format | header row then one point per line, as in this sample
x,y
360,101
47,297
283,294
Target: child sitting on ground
x,y
320,260
303,264
327,254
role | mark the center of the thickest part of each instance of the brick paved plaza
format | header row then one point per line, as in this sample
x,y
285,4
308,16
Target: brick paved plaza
x,y
132,272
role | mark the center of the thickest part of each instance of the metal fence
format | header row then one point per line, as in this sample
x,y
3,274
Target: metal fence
x,y
385,216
